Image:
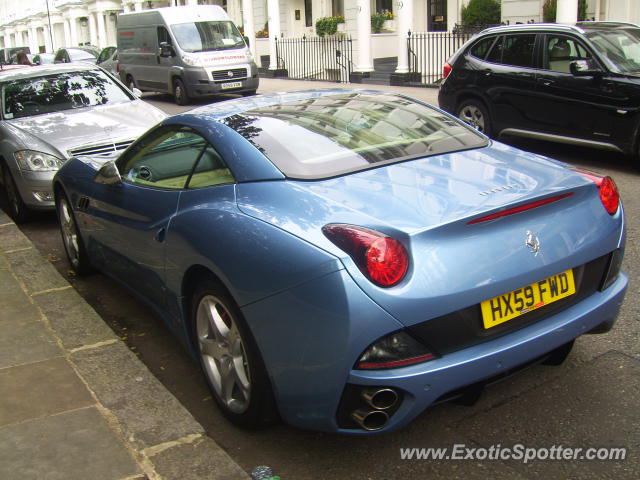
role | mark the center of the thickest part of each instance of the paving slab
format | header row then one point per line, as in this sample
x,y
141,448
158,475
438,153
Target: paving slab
x,y
197,460
571,414
11,238
34,271
40,389
77,445
15,303
149,414
26,341
74,321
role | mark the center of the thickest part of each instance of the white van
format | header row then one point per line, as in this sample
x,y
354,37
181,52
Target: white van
x,y
188,51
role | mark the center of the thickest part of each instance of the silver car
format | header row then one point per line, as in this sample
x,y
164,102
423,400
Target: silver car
x,y
53,112
108,59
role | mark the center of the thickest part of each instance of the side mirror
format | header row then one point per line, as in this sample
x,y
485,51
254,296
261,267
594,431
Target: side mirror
x,y
166,50
584,68
246,40
108,174
136,92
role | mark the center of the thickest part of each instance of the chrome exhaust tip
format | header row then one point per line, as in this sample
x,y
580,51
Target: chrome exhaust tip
x,y
380,398
370,420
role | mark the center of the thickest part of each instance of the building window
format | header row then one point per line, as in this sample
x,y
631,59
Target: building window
x,y
337,7
384,5
437,16
308,14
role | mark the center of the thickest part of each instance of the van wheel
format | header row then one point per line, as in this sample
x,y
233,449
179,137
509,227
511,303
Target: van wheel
x,y
131,83
180,94
474,113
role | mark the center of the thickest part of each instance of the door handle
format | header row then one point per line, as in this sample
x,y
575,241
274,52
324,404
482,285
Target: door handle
x,y
160,234
487,72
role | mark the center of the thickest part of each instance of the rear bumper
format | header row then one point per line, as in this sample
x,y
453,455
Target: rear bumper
x,y
423,384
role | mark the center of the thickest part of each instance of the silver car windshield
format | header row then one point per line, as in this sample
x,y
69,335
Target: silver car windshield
x,y
26,97
207,36
620,47
336,134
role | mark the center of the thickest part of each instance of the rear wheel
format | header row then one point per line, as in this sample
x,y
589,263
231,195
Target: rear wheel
x,y
18,211
73,246
131,84
180,94
230,358
474,113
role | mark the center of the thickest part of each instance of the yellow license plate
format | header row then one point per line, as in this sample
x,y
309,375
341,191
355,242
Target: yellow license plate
x,y
513,304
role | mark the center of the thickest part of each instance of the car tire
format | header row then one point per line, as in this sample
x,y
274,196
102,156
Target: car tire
x,y
71,238
229,357
474,113
180,94
131,83
18,210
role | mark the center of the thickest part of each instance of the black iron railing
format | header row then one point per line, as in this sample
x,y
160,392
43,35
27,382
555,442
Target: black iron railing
x,y
428,52
316,58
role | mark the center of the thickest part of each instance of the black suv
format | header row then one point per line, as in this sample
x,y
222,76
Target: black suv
x,y
576,84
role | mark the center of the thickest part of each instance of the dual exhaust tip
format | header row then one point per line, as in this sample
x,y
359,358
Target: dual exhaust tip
x,y
376,417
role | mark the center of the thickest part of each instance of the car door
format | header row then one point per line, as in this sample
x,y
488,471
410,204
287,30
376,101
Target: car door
x,y
576,106
131,218
508,77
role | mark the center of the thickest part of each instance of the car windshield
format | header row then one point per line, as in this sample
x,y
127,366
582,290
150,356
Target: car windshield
x,y
332,135
621,47
26,97
207,36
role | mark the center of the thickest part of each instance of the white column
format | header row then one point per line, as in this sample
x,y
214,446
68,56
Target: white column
x,y
273,11
48,46
7,38
597,12
567,11
137,6
111,30
405,17
363,17
93,29
102,32
67,33
249,29
73,30
33,40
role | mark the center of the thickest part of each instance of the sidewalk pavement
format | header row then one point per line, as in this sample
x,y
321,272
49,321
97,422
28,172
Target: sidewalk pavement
x,y
75,402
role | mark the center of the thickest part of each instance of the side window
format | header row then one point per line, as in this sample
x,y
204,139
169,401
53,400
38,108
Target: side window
x,y
518,50
560,51
480,49
495,55
105,54
210,170
163,36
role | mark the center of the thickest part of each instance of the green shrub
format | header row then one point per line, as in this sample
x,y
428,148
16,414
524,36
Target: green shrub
x,y
328,25
481,12
377,21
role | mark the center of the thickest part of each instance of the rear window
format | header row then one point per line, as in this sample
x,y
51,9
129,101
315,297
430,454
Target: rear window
x,y
332,135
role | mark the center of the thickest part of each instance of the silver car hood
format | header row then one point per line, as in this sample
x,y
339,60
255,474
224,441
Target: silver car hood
x,y
71,129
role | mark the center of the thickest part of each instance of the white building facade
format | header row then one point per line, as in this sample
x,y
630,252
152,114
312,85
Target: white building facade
x,y
45,25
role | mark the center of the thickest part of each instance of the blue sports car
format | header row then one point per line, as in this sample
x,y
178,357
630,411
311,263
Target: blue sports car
x,y
342,259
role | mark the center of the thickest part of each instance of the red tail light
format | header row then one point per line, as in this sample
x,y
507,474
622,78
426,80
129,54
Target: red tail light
x,y
381,258
446,70
607,190
118,67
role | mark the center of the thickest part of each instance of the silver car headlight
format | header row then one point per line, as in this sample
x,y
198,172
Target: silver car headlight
x,y
37,161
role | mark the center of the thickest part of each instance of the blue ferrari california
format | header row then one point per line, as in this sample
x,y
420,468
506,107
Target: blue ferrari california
x,y
342,259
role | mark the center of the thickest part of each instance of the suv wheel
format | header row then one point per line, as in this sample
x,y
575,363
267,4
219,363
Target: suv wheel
x,y
474,113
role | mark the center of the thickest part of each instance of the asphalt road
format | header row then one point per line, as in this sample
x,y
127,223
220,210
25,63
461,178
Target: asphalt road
x,y
592,400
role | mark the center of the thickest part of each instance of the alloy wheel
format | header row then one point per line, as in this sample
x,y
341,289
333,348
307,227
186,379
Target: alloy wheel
x,y
223,354
472,115
69,233
12,194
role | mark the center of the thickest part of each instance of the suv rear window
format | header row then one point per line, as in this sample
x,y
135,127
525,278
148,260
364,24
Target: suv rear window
x,y
480,49
335,134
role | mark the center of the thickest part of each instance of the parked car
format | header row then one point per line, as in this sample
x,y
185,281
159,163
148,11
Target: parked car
x,y
576,84
43,58
346,258
7,52
52,112
108,59
84,53
21,58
